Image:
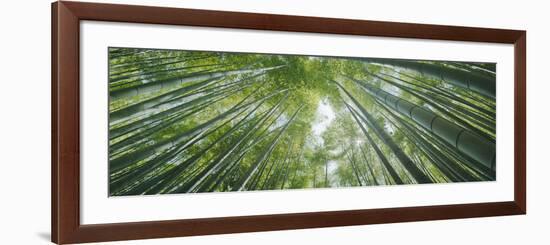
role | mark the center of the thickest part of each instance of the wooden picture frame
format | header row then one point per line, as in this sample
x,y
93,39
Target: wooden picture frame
x,y
65,176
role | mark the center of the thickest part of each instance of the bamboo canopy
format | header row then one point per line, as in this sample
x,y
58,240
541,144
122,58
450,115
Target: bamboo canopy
x,y
202,121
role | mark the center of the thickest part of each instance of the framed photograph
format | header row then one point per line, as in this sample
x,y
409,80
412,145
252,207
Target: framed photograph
x,y
176,122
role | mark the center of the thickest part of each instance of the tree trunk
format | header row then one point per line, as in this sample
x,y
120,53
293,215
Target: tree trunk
x,y
416,173
396,178
467,80
465,141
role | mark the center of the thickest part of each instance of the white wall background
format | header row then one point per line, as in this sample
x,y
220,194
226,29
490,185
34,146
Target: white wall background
x,y
25,124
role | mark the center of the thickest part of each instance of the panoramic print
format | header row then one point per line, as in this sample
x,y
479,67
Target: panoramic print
x,y
202,121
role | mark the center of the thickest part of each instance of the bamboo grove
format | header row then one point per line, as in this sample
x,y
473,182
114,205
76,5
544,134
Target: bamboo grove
x,y
196,121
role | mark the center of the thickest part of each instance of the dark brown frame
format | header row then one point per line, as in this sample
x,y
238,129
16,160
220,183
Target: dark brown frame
x,y
65,175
